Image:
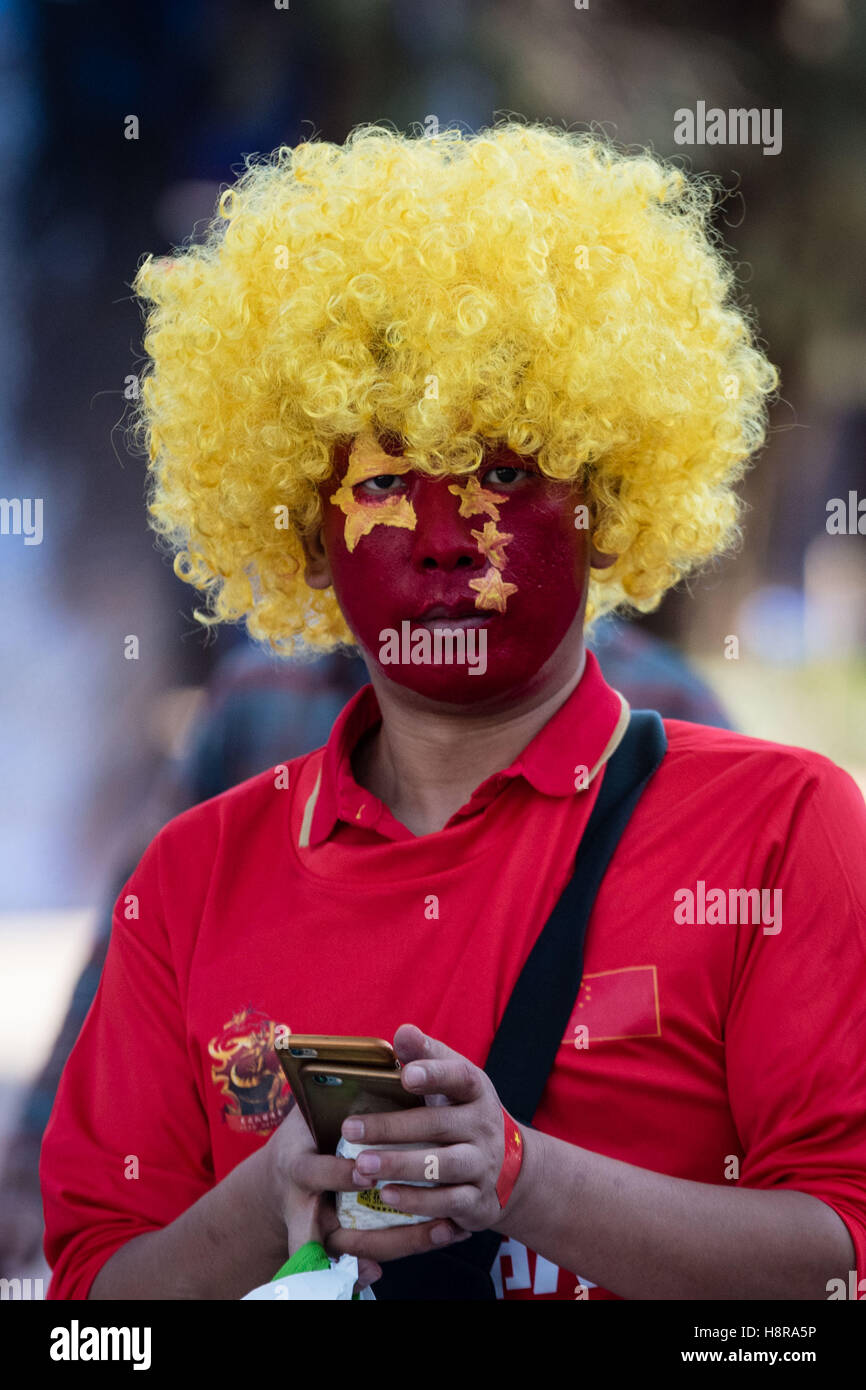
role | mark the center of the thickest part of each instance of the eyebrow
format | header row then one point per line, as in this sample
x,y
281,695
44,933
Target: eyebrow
x,y
497,453
392,443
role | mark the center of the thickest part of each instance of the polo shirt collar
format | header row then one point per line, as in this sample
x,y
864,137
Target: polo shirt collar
x,y
583,733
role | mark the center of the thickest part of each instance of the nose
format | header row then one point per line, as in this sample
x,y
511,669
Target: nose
x,y
442,539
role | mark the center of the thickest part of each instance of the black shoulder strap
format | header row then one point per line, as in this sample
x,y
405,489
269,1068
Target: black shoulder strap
x,y
543,998
540,1007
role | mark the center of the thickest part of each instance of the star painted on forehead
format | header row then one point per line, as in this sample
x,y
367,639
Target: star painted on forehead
x,y
492,543
492,590
369,460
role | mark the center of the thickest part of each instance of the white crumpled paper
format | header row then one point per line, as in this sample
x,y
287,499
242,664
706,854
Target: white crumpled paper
x,y
364,1209
317,1285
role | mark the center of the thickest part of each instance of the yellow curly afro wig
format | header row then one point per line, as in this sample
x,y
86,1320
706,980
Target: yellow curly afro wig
x,y
524,284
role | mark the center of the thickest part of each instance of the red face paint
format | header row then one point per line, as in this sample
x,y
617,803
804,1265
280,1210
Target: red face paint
x,y
520,577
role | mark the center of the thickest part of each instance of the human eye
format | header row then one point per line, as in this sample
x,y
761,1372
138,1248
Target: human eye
x,y
381,484
507,475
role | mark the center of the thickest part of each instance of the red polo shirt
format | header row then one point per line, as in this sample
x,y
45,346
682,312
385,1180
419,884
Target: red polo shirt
x,y
723,1051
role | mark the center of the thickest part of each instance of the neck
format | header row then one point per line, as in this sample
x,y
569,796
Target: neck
x,y
425,759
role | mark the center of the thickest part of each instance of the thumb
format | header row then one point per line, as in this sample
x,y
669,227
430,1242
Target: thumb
x,y
413,1045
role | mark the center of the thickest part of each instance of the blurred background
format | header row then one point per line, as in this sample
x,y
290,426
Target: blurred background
x,y
98,750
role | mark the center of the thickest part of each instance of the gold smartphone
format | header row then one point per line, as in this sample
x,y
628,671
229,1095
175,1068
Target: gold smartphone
x,y
301,1048
334,1090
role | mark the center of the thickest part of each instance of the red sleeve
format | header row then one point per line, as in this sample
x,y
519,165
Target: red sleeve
x,y
127,1147
796,1026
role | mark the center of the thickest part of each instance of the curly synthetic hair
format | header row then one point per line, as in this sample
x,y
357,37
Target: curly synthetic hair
x,y
524,284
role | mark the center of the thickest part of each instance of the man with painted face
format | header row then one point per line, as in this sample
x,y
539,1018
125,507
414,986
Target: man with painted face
x,y
502,556
408,392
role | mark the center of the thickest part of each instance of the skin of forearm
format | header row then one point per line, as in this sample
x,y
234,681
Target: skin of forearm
x,y
643,1235
228,1242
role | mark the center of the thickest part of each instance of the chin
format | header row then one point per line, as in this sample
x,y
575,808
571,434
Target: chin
x,y
457,685
495,667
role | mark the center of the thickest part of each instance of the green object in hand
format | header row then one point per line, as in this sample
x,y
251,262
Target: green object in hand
x,y
306,1258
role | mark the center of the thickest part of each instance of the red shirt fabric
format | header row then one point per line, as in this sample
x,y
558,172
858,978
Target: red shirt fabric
x,y
727,1052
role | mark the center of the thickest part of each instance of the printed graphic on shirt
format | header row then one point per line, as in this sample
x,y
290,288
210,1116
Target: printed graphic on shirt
x,y
248,1072
616,1004
518,1273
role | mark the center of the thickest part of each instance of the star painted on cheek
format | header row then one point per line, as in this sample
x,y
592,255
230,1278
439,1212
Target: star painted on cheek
x,y
474,498
492,590
492,543
367,461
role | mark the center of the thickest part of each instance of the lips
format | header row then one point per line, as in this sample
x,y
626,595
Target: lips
x,y
461,608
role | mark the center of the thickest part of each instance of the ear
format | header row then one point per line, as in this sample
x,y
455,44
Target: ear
x,y
317,570
599,559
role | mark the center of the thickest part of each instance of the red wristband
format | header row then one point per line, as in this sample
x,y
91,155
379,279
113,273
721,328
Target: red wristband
x,y
512,1160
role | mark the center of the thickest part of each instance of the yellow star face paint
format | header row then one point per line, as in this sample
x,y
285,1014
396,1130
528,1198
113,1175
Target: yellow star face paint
x,y
489,573
492,590
368,460
492,543
474,498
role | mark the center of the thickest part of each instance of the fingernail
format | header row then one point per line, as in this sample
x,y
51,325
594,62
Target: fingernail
x,y
415,1075
353,1129
368,1163
440,1235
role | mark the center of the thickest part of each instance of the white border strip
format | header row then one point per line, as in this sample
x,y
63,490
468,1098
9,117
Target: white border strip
x,y
616,737
304,836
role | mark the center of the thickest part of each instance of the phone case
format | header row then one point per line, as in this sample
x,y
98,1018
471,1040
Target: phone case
x,y
334,1090
328,1047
